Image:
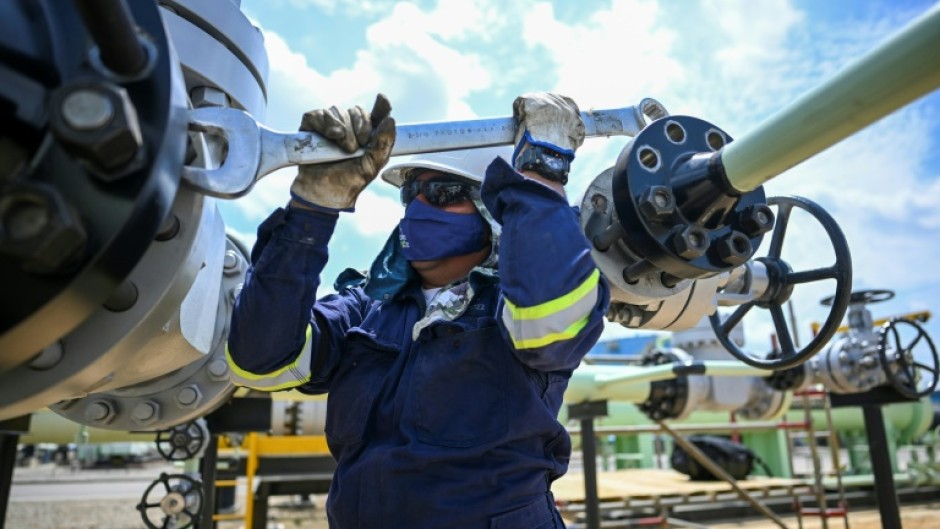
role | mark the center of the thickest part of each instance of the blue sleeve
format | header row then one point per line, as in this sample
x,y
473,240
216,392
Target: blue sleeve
x,y
276,316
554,296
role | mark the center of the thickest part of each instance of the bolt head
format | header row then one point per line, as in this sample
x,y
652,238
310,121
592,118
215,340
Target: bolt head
x,y
690,242
657,203
145,412
108,146
188,397
207,96
87,109
99,411
39,229
734,248
218,369
24,216
232,263
756,219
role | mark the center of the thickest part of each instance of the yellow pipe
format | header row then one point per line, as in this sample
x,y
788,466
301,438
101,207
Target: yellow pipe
x,y
919,316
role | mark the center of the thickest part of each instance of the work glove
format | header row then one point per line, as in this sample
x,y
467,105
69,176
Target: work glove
x,y
336,185
550,120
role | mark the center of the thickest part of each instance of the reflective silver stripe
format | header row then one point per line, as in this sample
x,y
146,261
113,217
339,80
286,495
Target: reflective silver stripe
x,y
561,324
292,375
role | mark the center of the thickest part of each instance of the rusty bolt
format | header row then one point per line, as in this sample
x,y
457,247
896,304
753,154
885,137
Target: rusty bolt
x,y
97,122
690,242
39,229
756,219
734,248
657,202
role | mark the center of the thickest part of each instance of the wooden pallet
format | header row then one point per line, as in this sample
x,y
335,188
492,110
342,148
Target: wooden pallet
x,y
652,487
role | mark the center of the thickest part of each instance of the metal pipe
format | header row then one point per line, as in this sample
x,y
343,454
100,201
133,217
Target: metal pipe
x,y
897,72
906,421
111,27
632,383
694,428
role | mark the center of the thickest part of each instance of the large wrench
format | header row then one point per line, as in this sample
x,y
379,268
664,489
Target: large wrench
x,y
255,151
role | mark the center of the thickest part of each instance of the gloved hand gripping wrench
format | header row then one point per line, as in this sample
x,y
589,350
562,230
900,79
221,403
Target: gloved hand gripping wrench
x,y
255,151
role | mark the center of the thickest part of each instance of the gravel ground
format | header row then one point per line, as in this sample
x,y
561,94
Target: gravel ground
x,y
47,506
122,514
49,497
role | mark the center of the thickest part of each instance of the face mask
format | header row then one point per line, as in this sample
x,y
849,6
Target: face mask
x,y
428,233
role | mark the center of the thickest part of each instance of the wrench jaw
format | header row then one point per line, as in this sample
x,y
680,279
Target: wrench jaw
x,y
236,172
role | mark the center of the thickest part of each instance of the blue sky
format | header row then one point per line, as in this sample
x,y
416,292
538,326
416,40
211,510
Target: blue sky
x,y
731,62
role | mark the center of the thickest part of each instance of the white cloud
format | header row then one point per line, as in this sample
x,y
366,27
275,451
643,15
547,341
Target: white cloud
x,y
349,7
731,63
615,56
423,78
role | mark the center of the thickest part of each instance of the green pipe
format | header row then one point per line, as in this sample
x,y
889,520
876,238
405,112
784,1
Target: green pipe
x,y
908,420
902,69
49,427
632,383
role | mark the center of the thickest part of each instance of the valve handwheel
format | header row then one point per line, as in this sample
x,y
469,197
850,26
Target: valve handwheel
x,y
864,296
905,372
182,442
782,280
180,503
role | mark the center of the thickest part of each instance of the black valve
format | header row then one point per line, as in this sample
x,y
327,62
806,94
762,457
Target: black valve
x,y
782,280
182,442
902,357
679,221
173,500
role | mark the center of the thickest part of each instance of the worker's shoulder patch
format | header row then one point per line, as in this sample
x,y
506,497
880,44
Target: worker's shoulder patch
x,y
349,278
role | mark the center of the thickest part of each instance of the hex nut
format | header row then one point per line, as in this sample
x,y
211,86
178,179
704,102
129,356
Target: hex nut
x,y
99,411
188,398
218,369
756,219
145,412
657,202
690,242
232,263
734,248
107,145
207,96
38,228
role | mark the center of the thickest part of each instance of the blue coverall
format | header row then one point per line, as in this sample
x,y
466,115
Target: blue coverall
x,y
457,428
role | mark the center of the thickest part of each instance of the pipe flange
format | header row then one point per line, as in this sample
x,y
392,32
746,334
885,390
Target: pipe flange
x,y
667,398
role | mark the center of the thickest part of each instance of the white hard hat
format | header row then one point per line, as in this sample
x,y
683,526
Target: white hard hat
x,y
469,163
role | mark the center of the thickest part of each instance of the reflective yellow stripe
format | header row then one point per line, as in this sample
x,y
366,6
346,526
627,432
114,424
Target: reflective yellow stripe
x,y
567,334
292,375
558,304
559,319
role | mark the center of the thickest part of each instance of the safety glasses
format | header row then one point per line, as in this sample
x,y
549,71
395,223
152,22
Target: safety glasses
x,y
439,191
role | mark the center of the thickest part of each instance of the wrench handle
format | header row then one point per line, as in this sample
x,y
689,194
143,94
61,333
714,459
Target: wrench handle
x,y
284,149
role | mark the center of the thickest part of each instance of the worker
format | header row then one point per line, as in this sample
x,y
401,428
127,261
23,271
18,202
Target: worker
x,y
446,363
